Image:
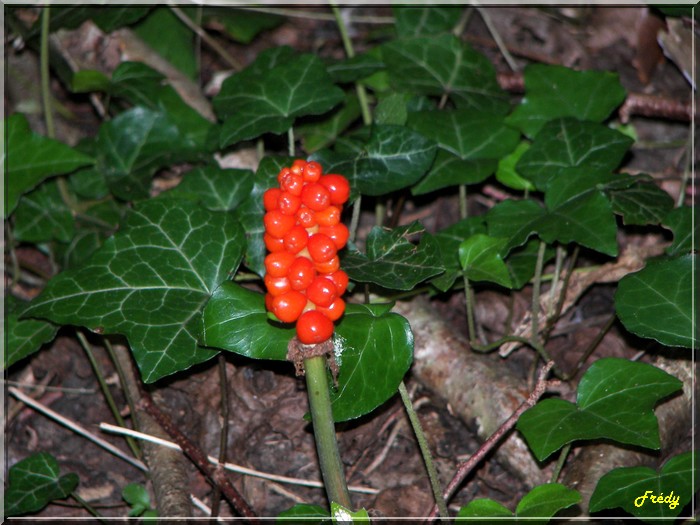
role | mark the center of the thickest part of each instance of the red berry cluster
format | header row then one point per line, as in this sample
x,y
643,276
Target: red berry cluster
x,y
303,234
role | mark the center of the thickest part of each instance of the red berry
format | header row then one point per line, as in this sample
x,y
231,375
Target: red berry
x,y
273,244
288,203
268,301
277,223
301,273
289,306
277,285
298,166
296,238
277,264
321,247
339,234
312,172
315,196
338,186
282,174
340,279
328,266
270,198
328,217
321,291
293,183
306,217
334,311
313,327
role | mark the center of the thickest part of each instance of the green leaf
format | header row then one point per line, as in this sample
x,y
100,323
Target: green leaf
x,y
543,502
87,80
342,514
394,157
137,83
567,143
392,108
449,170
269,94
374,351
657,301
34,482
556,91
163,32
106,18
304,514
235,319
631,488
150,282
23,337
515,221
355,68
415,21
615,401
241,25
641,204
318,133
392,261
506,173
134,145
43,216
217,189
680,222
522,260
88,183
136,494
250,212
32,158
481,259
444,65
467,133
448,241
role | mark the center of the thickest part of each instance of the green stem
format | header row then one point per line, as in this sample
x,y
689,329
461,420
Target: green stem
x,y
469,300
463,209
535,314
324,431
290,140
560,462
45,78
425,451
87,506
355,219
380,212
561,252
105,389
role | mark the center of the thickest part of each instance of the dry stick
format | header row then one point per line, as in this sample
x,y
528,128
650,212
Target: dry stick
x,y
216,476
465,468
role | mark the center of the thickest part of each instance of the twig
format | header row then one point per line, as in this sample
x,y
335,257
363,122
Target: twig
x,y
497,38
223,436
466,468
216,476
313,15
75,427
231,466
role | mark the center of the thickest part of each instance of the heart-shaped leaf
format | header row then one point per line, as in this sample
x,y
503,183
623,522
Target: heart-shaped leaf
x,y
448,240
566,143
415,21
34,482
23,337
680,222
481,259
615,401
543,502
556,91
633,488
444,65
657,301
240,24
317,134
467,133
32,158
515,221
643,203
374,350
449,170
43,216
394,157
235,319
215,188
150,282
355,68
392,261
269,94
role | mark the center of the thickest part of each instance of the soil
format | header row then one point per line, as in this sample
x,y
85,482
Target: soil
x,y
267,430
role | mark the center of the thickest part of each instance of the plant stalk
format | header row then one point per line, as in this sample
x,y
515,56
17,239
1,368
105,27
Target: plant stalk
x,y
324,431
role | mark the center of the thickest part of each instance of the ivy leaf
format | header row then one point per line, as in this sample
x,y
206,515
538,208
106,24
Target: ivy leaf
x,y
269,94
506,173
680,222
522,261
448,241
481,259
467,133
657,301
556,91
150,282
449,170
641,204
31,158
415,21
342,514
543,501
235,319
304,514
568,143
217,189
241,25
168,36
515,221
615,401
630,488
34,482
444,65
23,337
394,157
317,134
43,216
374,350
392,261
355,68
